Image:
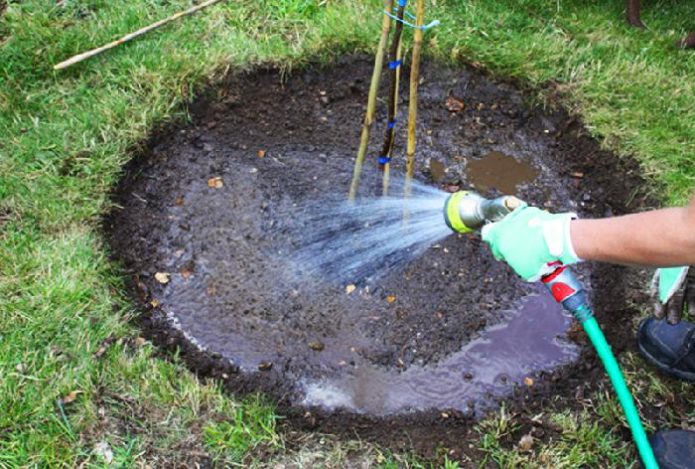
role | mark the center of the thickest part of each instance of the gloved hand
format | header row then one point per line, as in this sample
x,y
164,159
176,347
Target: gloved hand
x,y
529,238
675,292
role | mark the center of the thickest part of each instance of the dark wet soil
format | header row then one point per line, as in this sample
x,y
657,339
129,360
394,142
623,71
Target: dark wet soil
x,y
209,210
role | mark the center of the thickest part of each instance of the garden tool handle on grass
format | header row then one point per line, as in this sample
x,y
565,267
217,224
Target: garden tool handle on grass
x,y
567,291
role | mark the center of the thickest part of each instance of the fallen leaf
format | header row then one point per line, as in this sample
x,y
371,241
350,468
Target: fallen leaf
x,y
186,274
179,200
154,303
161,277
140,341
390,299
350,288
526,443
70,397
317,346
265,366
104,450
261,153
454,104
215,183
104,346
528,381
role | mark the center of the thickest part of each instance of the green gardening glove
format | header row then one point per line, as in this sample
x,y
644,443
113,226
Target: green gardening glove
x,y
675,292
528,239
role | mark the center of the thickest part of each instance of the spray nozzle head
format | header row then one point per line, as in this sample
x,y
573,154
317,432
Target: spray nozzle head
x,y
452,214
467,211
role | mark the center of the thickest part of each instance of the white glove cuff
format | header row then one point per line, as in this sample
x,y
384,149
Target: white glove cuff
x,y
568,237
557,237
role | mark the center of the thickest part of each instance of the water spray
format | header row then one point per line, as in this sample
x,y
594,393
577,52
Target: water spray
x,y
466,211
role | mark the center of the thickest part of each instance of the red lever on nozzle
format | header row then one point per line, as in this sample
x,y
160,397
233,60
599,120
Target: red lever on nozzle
x,y
567,291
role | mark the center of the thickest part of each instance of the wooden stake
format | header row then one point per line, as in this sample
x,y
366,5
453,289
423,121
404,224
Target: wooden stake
x,y
412,104
387,166
394,57
371,101
131,36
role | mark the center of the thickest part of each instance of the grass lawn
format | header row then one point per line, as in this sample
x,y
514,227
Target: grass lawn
x,y
77,384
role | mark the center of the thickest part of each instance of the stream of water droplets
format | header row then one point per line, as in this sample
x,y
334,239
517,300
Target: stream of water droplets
x,y
358,241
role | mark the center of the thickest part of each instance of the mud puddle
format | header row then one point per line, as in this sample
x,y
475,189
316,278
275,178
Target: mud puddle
x,y
210,211
529,338
499,171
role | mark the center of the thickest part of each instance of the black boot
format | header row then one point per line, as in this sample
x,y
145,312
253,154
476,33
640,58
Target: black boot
x,y
674,449
670,347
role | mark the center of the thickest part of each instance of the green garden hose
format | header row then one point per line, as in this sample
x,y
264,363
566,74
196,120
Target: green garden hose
x,y
466,211
568,291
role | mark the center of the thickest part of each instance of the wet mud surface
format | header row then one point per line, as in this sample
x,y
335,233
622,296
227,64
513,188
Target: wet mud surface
x,y
209,213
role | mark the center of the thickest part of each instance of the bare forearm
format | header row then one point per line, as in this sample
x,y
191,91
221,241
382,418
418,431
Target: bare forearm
x,y
657,238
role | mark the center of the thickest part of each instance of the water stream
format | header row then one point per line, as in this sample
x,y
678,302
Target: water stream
x,y
359,241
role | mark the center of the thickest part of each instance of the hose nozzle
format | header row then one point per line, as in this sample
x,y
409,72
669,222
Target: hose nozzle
x,y
466,211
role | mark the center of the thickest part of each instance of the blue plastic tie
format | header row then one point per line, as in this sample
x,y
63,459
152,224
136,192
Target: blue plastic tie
x,y
391,124
424,27
384,159
395,64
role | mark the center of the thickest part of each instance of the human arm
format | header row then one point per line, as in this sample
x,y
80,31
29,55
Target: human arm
x,y
530,240
658,238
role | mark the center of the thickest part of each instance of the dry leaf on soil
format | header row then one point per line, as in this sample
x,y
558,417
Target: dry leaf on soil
x,y
215,183
454,104
162,277
316,346
526,443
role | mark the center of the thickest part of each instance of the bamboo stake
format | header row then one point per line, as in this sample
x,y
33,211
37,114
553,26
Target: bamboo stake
x,y
387,166
412,104
131,36
371,101
394,54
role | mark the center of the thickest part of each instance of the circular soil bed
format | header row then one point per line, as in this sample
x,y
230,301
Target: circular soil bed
x,y
209,214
